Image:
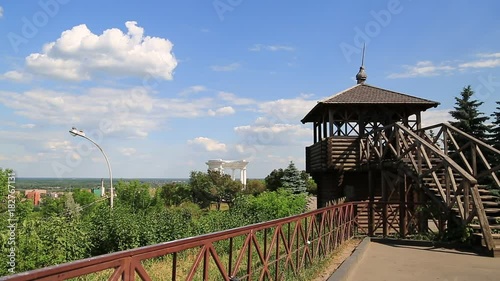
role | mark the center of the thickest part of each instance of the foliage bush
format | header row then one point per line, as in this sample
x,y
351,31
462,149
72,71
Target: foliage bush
x,y
60,230
269,205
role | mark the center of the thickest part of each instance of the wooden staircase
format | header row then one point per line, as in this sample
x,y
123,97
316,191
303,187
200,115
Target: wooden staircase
x,y
491,205
447,170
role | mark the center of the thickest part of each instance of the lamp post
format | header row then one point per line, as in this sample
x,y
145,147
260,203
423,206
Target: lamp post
x,y
75,132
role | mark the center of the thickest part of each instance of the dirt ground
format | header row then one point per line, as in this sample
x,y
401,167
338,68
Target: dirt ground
x,y
338,258
312,203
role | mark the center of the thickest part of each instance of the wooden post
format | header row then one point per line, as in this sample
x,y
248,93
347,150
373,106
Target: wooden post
x,y
419,120
362,125
402,207
315,129
447,169
371,198
474,158
466,189
330,121
325,131
319,131
447,179
384,202
397,142
419,158
423,224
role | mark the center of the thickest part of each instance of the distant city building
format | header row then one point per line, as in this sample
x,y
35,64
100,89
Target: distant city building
x,y
35,195
99,191
221,165
55,194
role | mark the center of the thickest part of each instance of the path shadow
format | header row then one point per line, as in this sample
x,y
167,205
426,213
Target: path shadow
x,y
441,247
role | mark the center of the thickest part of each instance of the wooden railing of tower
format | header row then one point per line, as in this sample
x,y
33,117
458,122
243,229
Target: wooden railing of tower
x,y
339,152
398,144
316,156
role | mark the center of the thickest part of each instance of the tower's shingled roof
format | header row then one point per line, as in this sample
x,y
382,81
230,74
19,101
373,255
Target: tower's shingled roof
x,y
365,95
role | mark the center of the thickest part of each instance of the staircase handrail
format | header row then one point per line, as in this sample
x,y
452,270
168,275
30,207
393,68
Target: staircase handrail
x,y
423,142
489,170
454,165
458,131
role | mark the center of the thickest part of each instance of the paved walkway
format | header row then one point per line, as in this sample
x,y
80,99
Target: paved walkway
x,y
390,262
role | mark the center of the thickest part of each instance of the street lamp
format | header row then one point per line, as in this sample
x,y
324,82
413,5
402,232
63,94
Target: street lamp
x,y
75,132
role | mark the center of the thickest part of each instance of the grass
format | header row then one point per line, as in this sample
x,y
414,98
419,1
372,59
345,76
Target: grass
x,y
223,206
325,266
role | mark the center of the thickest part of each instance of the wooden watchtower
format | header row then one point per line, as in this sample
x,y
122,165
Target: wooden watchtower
x,y
340,121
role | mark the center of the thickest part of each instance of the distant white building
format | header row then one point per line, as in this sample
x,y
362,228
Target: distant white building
x,y
221,165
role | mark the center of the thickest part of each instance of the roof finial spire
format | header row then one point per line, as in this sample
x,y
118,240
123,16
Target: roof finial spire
x,y
361,76
363,57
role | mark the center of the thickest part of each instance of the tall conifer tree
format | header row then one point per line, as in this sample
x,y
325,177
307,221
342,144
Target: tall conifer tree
x,y
495,132
468,117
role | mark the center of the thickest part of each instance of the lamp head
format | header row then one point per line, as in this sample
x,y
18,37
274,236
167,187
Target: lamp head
x,y
75,132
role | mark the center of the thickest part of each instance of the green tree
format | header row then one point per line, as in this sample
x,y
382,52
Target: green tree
x,y
273,180
268,206
134,194
226,189
4,174
83,197
495,133
201,185
467,115
213,186
255,187
52,207
292,179
71,208
4,188
311,185
173,194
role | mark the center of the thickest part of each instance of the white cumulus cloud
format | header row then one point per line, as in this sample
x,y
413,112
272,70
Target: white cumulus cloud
x,y
487,60
28,126
129,113
233,99
128,151
59,145
287,110
208,144
193,90
273,134
1,12
435,116
422,68
226,110
16,76
428,68
79,54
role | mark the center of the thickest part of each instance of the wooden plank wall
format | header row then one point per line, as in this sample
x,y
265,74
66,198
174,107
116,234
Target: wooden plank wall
x,y
343,153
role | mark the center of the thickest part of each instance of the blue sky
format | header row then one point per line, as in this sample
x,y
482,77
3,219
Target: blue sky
x,y
163,86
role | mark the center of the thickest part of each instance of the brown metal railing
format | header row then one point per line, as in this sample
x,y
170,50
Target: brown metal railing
x,y
271,250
